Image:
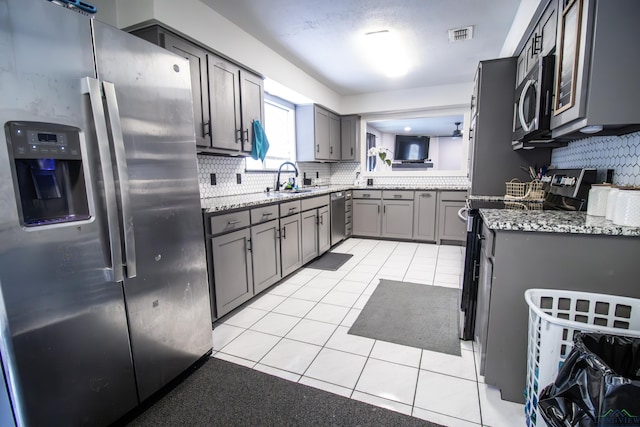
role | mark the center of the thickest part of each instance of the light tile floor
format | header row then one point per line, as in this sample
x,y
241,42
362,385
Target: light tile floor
x,y
297,330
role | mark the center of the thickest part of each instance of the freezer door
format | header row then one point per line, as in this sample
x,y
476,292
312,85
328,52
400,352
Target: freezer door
x,y
168,299
63,329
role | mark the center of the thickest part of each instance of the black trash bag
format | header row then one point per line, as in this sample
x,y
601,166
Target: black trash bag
x,y
598,384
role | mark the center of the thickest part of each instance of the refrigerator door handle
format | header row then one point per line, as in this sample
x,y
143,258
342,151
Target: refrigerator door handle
x,y
123,178
92,87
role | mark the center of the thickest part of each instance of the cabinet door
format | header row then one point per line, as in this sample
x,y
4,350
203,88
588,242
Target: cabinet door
x,y
324,230
397,219
450,226
334,137
366,218
290,250
233,279
252,105
224,91
547,28
309,235
482,306
350,137
265,243
424,219
321,131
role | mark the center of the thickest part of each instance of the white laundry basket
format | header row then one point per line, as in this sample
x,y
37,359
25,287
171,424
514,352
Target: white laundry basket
x,y
554,317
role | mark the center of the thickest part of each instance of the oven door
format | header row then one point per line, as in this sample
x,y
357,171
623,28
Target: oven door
x,y
532,104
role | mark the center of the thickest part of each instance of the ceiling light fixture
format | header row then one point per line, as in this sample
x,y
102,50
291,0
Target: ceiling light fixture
x,y
407,129
457,133
385,50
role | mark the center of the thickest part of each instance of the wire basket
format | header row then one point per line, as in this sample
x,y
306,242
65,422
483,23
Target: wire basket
x,y
555,316
518,190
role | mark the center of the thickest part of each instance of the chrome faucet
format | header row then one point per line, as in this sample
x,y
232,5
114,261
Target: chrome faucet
x,y
295,169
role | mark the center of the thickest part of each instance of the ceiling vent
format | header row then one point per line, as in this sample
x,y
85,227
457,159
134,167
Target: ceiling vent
x,y
460,34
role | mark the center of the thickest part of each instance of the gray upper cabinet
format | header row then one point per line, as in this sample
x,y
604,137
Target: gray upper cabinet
x,y
593,87
252,97
226,97
424,216
233,276
317,134
224,81
350,137
541,41
265,244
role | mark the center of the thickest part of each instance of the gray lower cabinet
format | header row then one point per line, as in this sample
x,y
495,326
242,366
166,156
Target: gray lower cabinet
x,y
324,230
424,215
265,245
397,219
366,217
290,244
309,221
233,275
450,225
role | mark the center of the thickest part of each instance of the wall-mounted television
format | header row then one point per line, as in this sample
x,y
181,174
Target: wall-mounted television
x,y
411,148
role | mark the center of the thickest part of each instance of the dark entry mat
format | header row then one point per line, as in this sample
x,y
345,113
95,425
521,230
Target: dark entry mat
x,y
330,261
220,393
421,316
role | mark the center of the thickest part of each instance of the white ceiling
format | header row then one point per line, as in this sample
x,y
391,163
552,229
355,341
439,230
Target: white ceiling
x,y
430,126
321,37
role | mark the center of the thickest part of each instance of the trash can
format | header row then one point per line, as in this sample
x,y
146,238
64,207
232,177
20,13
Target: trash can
x,y
597,385
555,317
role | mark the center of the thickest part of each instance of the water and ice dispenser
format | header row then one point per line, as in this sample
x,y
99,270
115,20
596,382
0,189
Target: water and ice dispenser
x,y
48,173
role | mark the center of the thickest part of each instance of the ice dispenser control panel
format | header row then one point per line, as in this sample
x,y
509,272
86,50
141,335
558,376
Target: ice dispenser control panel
x,y
48,173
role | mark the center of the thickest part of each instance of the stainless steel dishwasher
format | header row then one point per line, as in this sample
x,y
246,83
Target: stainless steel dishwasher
x,y
337,217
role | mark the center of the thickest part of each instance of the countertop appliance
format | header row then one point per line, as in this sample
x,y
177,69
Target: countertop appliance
x,y
104,296
337,217
532,107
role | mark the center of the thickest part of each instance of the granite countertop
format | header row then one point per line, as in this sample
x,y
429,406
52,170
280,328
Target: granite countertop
x,y
224,203
553,222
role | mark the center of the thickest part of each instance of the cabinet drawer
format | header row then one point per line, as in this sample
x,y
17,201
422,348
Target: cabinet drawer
x,y
453,195
348,229
265,213
347,217
314,202
229,222
397,195
367,194
348,206
348,195
289,208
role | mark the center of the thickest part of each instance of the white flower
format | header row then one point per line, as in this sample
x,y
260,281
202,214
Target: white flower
x,y
382,152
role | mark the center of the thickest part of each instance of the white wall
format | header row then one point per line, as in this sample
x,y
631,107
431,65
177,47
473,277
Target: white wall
x,y
449,157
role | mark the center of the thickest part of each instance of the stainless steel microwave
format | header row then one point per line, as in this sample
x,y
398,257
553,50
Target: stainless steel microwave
x,y
532,108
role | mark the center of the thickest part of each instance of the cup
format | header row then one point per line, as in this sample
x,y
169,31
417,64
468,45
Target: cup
x,y
597,203
627,212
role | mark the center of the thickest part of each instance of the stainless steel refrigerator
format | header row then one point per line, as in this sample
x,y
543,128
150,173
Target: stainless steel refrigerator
x,y
104,296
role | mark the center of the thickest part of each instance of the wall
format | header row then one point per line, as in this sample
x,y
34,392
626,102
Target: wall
x,y
620,153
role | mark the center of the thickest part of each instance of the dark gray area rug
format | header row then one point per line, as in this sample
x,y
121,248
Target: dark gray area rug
x,y
330,261
221,393
421,316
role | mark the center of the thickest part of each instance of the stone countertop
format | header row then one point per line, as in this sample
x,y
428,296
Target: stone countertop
x,y
553,222
238,201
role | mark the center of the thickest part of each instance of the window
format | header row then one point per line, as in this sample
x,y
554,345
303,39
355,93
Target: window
x,y
279,125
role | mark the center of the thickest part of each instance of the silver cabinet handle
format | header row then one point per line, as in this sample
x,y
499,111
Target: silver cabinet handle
x,y
92,87
238,135
267,214
206,128
123,178
249,247
366,195
378,209
397,196
425,195
246,135
284,232
234,222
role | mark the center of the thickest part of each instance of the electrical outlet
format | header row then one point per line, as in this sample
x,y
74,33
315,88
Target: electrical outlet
x,y
213,178
239,178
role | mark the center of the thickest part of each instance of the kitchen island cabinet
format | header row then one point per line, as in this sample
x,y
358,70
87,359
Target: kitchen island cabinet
x,y
541,249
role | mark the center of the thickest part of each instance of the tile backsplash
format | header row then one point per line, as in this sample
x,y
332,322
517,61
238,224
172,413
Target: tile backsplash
x,y
620,153
226,170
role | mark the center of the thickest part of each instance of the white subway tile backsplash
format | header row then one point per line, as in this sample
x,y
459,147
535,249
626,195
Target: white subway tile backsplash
x,y
620,153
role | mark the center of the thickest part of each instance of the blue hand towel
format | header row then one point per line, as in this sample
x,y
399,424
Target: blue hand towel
x,y
260,142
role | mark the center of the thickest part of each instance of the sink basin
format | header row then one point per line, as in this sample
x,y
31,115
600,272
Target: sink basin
x,y
282,193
